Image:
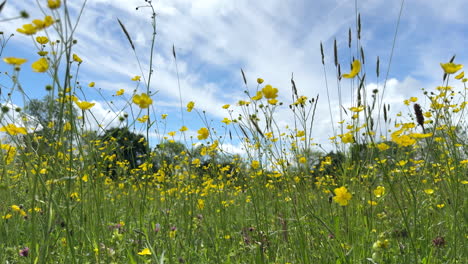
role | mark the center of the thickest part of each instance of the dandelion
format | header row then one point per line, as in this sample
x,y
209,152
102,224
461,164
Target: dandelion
x,y
14,61
203,133
190,106
145,252
342,196
355,69
451,67
41,65
143,100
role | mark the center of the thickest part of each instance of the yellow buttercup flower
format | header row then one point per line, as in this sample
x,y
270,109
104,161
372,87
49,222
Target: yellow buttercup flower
x,y
145,252
342,196
143,119
41,65
136,78
91,84
460,76
203,133
53,4
258,96
269,92
355,69
27,29
14,61
76,58
356,109
379,191
84,105
226,106
42,40
451,67
13,130
41,24
120,92
259,80
183,129
226,121
190,106
143,100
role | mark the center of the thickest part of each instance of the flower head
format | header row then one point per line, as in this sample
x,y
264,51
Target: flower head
x,y
76,58
53,4
41,65
13,130
42,40
259,80
24,252
203,133
355,69
143,100
27,29
342,196
269,92
120,92
14,61
190,106
379,191
84,105
136,78
451,67
145,252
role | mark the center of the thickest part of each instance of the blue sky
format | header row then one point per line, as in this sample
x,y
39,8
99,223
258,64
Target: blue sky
x,y
268,39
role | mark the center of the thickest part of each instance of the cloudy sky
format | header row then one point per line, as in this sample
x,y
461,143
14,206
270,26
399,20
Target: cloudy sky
x,y
270,39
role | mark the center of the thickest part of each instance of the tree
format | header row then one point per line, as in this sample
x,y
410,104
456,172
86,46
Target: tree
x,y
126,145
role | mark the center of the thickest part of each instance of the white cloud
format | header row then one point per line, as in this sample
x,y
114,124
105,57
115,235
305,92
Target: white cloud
x,y
215,38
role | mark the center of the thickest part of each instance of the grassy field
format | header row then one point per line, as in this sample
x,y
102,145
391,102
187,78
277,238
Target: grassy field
x,y
70,195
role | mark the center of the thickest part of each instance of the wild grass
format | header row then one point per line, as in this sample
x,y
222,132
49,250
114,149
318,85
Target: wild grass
x,y
72,195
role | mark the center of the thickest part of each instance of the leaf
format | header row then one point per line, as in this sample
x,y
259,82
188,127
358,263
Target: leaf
x,y
126,33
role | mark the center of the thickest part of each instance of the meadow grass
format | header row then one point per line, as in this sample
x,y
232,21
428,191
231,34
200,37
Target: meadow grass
x,y
391,192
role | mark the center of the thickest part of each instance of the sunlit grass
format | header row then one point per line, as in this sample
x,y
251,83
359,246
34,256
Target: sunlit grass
x,y
392,190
